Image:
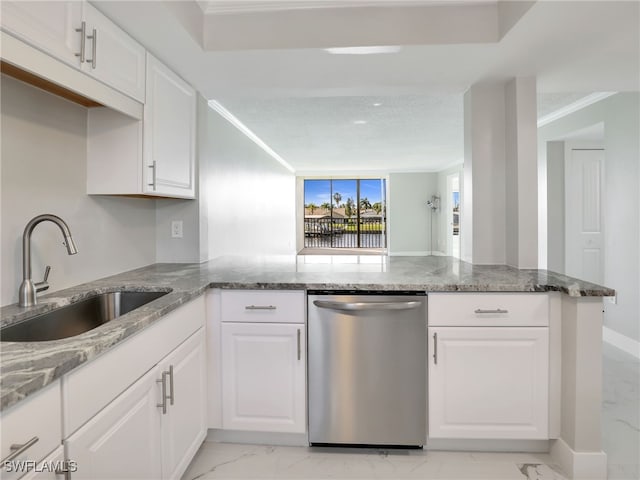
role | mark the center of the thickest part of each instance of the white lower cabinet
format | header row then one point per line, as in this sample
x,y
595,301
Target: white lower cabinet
x,y
488,382
263,377
184,425
154,428
123,440
53,467
30,432
488,366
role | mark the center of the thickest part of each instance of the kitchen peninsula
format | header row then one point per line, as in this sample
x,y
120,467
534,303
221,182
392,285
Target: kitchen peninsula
x,y
574,326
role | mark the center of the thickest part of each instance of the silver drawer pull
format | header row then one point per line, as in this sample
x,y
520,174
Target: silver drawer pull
x,y
497,310
260,307
18,449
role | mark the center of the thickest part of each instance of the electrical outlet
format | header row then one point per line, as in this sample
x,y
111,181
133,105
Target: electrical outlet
x,y
176,229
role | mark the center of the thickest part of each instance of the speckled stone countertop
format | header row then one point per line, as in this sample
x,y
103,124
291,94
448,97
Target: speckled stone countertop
x,y
27,367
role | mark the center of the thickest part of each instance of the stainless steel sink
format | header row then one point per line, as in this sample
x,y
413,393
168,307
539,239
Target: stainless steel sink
x,y
77,318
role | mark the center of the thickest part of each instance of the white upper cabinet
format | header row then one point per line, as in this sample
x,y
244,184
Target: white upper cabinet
x,y
78,34
49,26
112,56
169,133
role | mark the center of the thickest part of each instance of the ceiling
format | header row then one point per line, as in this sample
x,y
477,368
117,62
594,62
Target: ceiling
x,y
267,63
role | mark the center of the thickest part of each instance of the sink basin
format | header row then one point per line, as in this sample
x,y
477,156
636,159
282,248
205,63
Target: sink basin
x,y
77,318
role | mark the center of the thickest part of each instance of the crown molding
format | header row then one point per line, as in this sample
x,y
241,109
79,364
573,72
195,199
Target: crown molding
x,y
221,7
574,107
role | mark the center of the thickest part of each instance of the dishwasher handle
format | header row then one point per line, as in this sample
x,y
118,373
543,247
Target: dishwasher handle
x,y
362,306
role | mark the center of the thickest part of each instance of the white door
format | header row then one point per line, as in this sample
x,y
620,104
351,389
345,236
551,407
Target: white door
x,y
263,377
184,425
49,26
112,56
123,440
488,382
169,133
584,243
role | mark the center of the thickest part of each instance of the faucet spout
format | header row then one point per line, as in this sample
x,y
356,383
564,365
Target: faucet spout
x,y
28,289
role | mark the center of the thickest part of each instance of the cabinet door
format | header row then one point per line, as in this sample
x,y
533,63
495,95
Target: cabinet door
x,y
263,377
49,26
184,425
169,133
123,440
46,470
488,382
112,56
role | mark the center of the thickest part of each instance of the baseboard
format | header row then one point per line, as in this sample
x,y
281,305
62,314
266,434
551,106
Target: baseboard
x,y
420,253
579,465
473,445
259,438
621,342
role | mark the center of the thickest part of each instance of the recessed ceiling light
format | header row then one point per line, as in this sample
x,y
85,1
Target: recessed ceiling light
x,y
359,122
363,50
377,104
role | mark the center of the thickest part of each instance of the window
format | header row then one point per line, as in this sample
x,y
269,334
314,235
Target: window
x,y
345,213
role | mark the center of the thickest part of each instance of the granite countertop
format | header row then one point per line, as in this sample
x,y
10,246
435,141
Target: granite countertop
x,y
27,367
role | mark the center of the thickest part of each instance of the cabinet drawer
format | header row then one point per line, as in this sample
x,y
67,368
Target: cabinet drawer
x,y
37,416
262,306
488,309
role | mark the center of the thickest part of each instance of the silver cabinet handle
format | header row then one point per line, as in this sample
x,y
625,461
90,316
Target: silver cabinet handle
x,y
435,348
153,176
260,307
497,310
82,30
164,393
94,48
299,346
18,449
358,306
171,384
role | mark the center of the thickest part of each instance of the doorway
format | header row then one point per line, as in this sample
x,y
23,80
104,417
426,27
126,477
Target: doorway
x,y
453,215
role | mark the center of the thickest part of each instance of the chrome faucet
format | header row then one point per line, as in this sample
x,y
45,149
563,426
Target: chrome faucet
x,y
29,288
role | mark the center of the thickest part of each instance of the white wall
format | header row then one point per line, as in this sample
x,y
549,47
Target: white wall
x,y
194,246
554,206
621,116
251,197
409,217
44,171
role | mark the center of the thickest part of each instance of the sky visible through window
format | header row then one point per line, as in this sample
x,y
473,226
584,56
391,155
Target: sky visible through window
x,y
318,192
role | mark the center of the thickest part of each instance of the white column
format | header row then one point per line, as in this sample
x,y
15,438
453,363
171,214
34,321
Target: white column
x,y
579,449
500,199
521,164
483,203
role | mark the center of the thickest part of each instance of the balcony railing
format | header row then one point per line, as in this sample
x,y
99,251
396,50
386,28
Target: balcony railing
x,y
369,232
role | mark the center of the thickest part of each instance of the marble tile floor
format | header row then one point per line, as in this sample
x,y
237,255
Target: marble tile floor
x,y
621,442
621,414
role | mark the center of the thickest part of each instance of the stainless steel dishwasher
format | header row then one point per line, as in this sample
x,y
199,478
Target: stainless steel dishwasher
x,y
367,369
